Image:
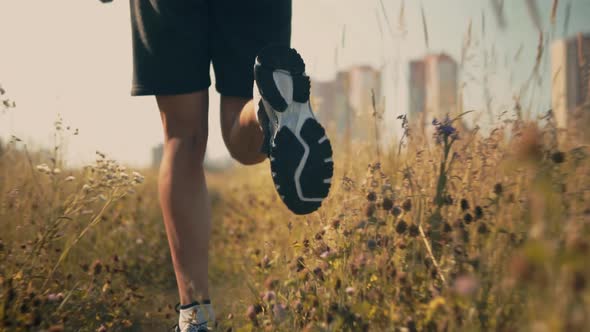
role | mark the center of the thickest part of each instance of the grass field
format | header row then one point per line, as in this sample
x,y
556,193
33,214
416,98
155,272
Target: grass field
x,y
461,233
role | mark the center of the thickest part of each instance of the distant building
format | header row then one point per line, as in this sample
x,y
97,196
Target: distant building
x,y
346,102
570,73
157,153
432,87
363,81
331,99
417,88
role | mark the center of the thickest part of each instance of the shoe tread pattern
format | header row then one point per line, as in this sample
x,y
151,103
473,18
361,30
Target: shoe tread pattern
x,y
286,156
279,57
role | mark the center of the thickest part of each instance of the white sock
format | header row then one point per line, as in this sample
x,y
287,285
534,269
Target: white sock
x,y
210,313
194,313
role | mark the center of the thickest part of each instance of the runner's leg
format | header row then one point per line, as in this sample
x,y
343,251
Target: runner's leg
x,y
241,131
183,191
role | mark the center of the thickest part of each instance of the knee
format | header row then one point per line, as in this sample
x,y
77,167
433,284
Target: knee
x,y
190,148
184,118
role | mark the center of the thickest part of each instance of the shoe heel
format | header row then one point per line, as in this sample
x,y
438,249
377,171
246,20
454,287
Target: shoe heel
x,y
281,57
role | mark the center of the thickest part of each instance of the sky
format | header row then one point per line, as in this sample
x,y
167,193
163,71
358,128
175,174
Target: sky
x,y
73,58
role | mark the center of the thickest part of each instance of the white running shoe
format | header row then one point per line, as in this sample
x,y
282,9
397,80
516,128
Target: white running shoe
x,y
193,316
299,150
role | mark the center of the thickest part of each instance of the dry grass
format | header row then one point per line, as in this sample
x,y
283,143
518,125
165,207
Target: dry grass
x,y
473,234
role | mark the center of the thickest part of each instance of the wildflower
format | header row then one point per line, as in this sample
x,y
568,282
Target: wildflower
x,y
498,189
335,223
444,129
448,199
69,179
319,273
478,212
96,267
56,171
465,285
138,178
387,204
447,227
468,218
414,230
464,204
401,227
396,211
269,296
43,168
326,254
253,310
407,205
86,188
53,297
319,235
558,157
349,290
265,261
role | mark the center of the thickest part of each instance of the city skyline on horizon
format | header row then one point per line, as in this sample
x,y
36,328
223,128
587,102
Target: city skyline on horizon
x,y
96,100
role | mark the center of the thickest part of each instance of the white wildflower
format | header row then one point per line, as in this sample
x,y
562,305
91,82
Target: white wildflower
x,y
69,179
56,171
137,177
43,168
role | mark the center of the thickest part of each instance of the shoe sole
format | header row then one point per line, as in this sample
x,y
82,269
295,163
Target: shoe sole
x,y
301,154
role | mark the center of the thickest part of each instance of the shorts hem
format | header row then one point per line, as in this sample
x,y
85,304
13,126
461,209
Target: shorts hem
x,y
226,92
141,90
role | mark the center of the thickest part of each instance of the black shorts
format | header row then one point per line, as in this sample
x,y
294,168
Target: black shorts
x,y
174,42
